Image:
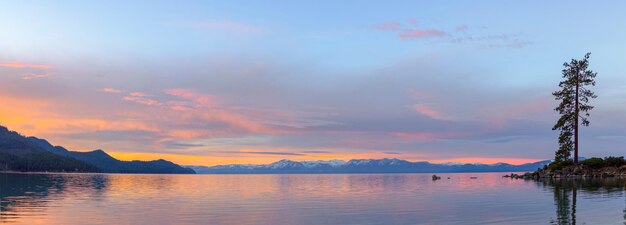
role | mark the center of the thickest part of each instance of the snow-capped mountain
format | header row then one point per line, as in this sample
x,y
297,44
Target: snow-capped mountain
x,y
283,164
385,165
319,163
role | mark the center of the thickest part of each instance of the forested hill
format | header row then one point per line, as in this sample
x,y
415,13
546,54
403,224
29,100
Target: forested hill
x,y
31,154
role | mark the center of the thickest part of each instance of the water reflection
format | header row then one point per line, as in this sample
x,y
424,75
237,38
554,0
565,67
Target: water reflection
x,y
29,195
566,194
306,199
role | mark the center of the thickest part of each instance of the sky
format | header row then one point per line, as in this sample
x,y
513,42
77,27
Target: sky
x,y
220,82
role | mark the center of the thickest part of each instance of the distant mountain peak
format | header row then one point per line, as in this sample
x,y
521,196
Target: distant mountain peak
x,y
317,163
285,163
385,165
99,153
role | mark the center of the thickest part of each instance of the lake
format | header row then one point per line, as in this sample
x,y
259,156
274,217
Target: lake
x,y
306,199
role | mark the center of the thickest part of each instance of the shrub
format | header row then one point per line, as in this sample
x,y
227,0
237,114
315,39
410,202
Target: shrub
x,y
614,161
558,165
610,161
594,162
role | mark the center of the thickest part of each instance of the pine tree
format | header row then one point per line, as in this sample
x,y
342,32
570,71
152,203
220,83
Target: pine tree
x,y
574,97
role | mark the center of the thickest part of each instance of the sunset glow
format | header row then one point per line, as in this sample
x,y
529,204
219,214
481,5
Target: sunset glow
x,y
216,85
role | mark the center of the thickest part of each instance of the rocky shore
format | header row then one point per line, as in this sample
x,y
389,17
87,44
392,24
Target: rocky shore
x,y
573,171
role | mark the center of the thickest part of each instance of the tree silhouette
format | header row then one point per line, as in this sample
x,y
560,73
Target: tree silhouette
x,y
574,97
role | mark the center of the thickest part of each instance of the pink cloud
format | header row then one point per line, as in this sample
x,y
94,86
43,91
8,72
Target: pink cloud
x,y
138,94
31,76
427,109
179,106
206,108
192,109
388,26
142,100
201,99
419,33
429,112
20,65
111,90
414,32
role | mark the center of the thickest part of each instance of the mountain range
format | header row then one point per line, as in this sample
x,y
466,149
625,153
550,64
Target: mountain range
x,y
364,166
31,154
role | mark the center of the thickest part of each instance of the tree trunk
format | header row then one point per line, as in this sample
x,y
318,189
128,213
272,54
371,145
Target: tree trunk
x,y
576,121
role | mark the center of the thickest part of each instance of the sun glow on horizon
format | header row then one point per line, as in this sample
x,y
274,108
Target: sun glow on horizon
x,y
251,159
208,84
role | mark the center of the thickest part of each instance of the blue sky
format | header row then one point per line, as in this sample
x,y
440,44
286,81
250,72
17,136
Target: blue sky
x,y
208,82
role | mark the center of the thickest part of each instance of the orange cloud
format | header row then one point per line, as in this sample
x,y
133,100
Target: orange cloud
x,y
41,117
20,65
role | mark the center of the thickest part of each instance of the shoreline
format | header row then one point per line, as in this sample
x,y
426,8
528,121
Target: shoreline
x,y
572,172
426,173
89,173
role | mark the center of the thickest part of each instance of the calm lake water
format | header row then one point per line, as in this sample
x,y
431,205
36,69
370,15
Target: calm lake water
x,y
306,199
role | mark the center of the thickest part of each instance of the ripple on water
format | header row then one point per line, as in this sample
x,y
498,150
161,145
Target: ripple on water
x,y
304,199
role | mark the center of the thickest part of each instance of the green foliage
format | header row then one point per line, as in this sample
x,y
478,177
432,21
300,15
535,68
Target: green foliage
x,y
614,161
43,162
574,97
558,165
610,161
594,162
